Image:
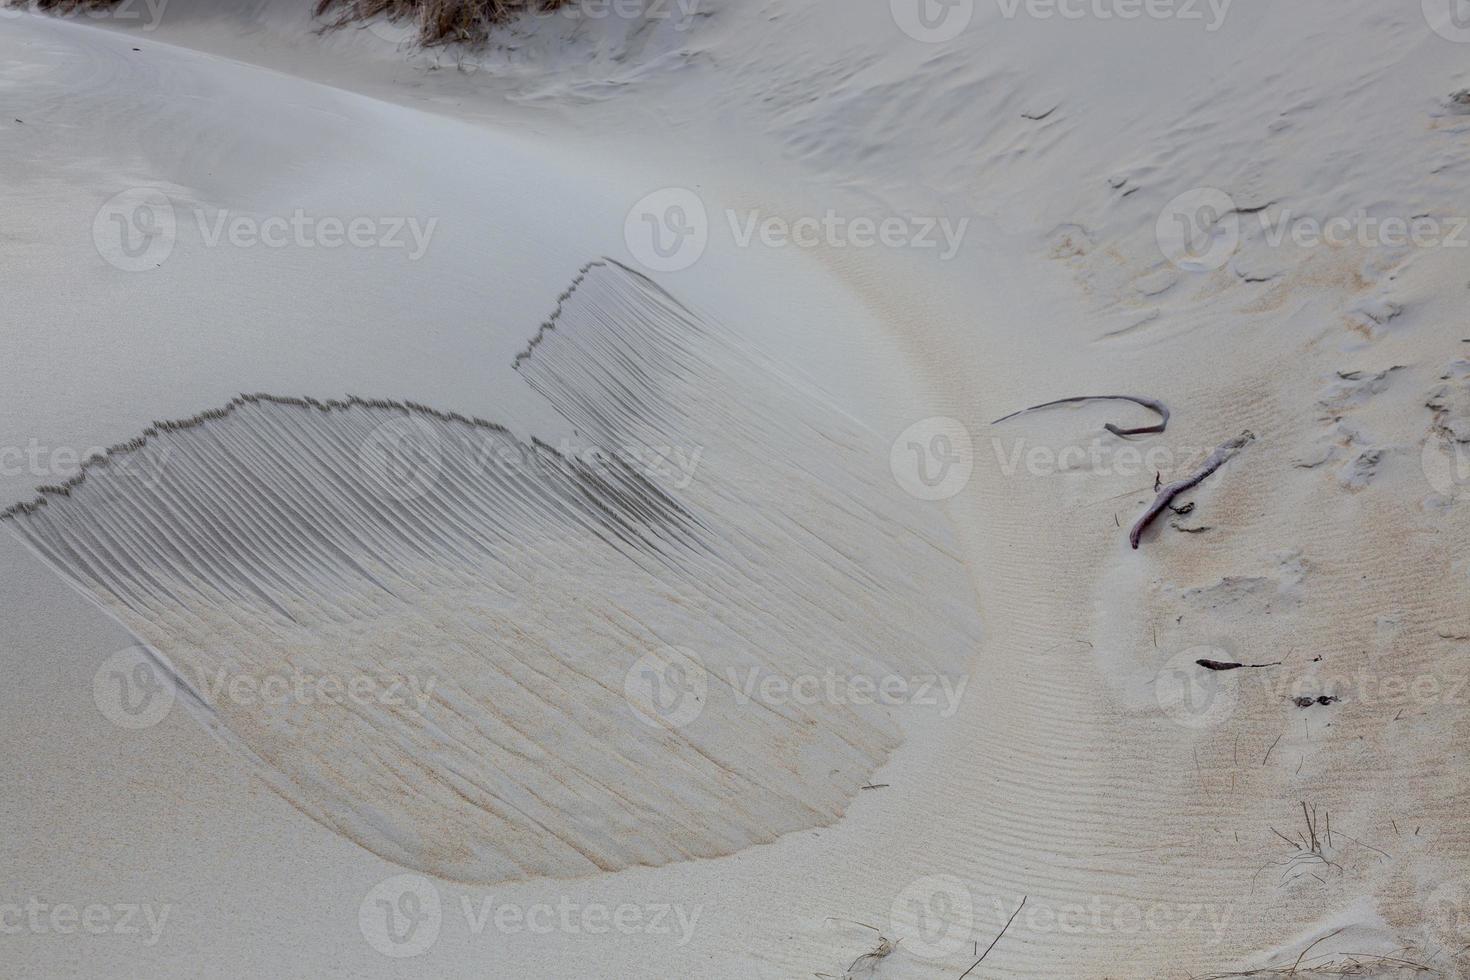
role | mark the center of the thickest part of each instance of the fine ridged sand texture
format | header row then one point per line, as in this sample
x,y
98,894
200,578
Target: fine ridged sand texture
x,y
499,603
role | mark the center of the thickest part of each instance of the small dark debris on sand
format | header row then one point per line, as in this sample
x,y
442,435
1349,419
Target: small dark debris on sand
x,y
1166,496
1152,404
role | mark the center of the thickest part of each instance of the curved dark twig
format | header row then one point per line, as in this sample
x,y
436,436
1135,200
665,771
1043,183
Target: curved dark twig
x,y
1152,404
996,939
1168,493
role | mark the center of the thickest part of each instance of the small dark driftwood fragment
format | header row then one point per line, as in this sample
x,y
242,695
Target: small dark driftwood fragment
x,y
1200,529
1149,403
1222,665
1218,665
997,938
1168,493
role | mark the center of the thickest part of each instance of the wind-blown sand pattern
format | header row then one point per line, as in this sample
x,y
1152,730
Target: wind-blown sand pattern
x,y
1197,210
518,592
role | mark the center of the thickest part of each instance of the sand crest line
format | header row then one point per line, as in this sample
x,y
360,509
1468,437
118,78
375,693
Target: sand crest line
x,y
229,408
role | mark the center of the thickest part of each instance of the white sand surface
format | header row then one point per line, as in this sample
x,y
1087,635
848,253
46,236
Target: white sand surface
x,y
524,818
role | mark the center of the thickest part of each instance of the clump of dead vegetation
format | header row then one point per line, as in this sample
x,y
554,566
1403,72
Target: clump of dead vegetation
x,y
1366,965
439,21
63,6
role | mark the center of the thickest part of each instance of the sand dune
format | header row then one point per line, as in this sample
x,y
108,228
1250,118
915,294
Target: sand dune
x,y
777,457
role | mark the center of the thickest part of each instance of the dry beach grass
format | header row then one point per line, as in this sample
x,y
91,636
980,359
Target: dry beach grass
x,y
439,21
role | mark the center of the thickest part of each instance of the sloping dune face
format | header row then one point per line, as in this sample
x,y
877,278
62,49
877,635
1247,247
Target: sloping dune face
x,y
490,660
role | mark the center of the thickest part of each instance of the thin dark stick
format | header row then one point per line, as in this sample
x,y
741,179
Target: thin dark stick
x,y
1149,403
997,938
1268,751
1167,494
1309,949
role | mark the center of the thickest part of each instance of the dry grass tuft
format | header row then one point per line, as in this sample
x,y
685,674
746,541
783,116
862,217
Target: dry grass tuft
x,y
1366,965
64,6
439,21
